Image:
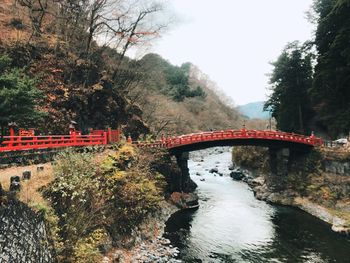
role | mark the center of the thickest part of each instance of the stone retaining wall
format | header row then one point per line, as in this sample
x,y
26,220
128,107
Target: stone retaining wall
x,y
23,235
341,167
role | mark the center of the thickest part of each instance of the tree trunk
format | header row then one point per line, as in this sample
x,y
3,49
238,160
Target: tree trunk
x,y
300,113
2,134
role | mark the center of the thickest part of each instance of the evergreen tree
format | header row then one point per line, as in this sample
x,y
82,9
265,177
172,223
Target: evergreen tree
x,y
290,80
18,96
331,87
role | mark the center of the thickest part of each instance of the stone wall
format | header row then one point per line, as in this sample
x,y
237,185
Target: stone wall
x,y
340,167
20,158
23,235
28,157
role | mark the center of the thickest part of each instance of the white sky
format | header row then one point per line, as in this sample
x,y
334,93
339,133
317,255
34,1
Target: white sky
x,y
233,41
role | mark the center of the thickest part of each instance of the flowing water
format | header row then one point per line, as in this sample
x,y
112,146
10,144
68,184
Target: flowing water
x,y
232,226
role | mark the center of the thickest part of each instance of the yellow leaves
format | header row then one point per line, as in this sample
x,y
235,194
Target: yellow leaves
x,y
126,152
118,175
87,249
120,160
108,164
97,86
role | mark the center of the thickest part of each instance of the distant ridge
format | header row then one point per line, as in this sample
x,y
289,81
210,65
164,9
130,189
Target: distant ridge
x,y
254,110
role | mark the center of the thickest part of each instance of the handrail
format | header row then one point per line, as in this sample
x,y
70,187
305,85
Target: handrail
x,y
176,141
100,137
19,143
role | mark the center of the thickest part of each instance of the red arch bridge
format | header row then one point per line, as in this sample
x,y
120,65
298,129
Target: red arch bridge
x,y
189,142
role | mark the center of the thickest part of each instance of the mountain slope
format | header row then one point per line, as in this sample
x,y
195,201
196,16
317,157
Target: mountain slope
x,y
254,110
101,89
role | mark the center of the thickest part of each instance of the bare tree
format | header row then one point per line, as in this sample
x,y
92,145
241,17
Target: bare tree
x,y
37,10
122,24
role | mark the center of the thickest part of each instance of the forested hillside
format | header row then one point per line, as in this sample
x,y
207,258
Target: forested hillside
x,y
310,82
74,55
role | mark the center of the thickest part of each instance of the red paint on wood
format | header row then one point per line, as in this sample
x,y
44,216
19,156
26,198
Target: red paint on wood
x,y
21,143
182,140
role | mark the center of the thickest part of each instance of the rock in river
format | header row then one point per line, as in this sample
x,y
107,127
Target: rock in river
x,y
237,174
214,170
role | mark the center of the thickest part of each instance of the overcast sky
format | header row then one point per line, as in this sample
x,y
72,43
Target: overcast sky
x,y
233,41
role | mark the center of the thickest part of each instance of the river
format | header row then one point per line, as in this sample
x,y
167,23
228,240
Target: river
x,y
232,226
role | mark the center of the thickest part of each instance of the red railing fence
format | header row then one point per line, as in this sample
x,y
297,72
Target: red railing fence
x,y
75,138
101,137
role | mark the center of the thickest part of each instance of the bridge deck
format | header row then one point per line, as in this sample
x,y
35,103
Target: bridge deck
x,y
244,136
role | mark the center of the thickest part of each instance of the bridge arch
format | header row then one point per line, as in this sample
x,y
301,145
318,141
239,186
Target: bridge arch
x,y
280,145
264,138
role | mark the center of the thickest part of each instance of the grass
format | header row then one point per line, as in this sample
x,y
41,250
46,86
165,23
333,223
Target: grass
x,y
29,193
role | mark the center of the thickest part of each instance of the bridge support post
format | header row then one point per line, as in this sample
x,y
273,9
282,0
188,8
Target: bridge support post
x,y
279,166
184,184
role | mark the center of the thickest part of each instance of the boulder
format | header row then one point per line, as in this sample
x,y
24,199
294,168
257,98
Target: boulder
x,y
237,174
231,167
15,184
40,168
26,175
259,181
214,170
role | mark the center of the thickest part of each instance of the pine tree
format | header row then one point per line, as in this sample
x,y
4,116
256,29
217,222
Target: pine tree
x,y
18,96
290,80
331,87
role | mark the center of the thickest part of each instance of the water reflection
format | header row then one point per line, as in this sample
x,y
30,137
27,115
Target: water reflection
x,y
232,226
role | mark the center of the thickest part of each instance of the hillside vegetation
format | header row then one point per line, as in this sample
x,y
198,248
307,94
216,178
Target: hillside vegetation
x,y
53,45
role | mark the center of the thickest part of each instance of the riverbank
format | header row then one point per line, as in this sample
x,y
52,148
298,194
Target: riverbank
x,y
147,242
232,225
317,183
338,220
149,245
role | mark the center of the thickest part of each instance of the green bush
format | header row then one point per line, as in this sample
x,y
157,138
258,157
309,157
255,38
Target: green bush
x,y
113,195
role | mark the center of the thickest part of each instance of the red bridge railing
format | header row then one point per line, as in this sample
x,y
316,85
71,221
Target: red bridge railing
x,y
101,137
173,142
96,137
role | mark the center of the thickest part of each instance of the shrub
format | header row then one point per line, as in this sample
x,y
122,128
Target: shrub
x,y
136,190
112,196
251,156
75,194
87,250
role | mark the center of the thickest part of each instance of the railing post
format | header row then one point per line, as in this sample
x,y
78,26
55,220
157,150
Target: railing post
x,y
129,139
105,138
35,140
12,134
109,133
312,138
74,138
